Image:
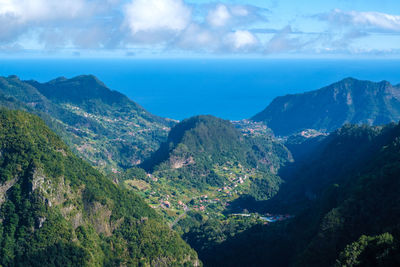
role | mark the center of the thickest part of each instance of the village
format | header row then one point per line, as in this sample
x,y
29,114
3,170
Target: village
x,y
175,202
235,185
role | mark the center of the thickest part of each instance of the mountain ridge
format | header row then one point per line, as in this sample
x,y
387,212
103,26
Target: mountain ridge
x,y
327,109
103,126
204,165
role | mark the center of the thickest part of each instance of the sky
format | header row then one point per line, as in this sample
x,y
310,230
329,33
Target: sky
x,y
200,28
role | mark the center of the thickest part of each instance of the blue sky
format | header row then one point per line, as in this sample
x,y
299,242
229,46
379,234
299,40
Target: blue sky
x,y
199,28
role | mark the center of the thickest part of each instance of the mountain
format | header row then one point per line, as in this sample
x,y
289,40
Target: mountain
x,y
56,210
327,109
103,126
206,164
201,148
345,207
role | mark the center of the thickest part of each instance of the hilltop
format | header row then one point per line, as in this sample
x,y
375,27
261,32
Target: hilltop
x,y
200,146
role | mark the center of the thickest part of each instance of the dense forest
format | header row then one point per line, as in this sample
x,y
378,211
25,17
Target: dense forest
x,y
58,211
345,204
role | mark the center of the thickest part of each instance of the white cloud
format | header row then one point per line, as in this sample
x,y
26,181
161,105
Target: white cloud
x,y
21,20
198,38
240,11
282,42
218,27
225,15
157,15
367,20
26,11
242,39
219,16
355,31
202,39
221,28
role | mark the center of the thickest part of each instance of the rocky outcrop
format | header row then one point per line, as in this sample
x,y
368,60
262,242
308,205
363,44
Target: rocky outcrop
x,y
179,162
99,216
4,188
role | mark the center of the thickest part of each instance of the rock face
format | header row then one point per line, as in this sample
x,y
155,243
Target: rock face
x,y
177,163
4,188
327,109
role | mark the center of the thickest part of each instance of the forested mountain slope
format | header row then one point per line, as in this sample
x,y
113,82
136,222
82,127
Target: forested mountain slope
x,y
101,125
332,160
56,210
327,109
352,217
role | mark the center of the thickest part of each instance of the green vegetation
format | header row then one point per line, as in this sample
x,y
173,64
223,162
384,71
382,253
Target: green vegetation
x,y
206,163
213,181
204,234
198,148
104,127
346,206
329,108
56,210
370,251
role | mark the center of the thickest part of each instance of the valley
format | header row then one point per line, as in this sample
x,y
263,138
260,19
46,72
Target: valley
x,y
175,200
199,133
209,189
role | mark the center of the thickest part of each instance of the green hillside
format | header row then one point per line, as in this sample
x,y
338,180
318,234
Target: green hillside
x,y
345,204
56,210
206,164
332,196
102,126
197,145
327,109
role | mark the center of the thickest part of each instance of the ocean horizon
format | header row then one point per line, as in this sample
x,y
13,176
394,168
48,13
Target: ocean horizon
x,y
232,89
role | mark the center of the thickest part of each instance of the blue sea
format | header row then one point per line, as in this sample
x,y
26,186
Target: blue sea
x,y
228,88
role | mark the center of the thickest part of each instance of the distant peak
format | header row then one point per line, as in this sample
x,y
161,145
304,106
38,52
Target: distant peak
x,y
352,80
385,82
60,79
89,78
86,77
14,77
203,117
349,79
